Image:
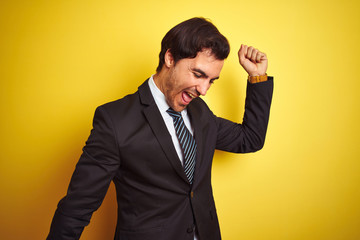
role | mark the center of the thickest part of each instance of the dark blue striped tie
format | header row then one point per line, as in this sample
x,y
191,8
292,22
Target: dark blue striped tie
x,y
187,143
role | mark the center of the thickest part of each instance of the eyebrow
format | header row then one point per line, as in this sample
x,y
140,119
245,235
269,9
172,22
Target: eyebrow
x,y
203,73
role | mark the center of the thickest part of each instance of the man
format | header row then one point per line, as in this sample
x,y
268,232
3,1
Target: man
x,y
157,144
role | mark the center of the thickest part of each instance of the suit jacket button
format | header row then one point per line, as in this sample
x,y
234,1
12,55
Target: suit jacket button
x,y
190,230
192,194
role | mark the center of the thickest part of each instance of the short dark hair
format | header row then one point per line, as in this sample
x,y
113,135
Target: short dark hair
x,y
188,38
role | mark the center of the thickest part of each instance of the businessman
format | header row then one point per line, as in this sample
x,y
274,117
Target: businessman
x,y
157,144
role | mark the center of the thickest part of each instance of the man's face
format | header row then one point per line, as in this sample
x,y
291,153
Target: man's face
x,y
190,78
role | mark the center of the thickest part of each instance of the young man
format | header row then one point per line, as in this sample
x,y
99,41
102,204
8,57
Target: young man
x,y
157,144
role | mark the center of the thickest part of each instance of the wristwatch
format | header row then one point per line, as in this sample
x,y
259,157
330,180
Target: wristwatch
x,y
257,79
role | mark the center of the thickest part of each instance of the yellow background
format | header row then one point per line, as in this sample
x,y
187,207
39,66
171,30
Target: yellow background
x,y
61,59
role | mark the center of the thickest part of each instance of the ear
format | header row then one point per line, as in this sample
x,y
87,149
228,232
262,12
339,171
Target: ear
x,y
169,60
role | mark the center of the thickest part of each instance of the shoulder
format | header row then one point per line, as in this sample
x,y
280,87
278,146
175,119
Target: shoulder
x,y
122,104
132,102
199,109
199,104
128,107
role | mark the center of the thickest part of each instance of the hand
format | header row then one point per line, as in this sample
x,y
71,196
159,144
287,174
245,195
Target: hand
x,y
252,60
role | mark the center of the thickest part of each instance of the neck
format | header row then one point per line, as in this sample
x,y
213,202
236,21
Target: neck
x,y
160,79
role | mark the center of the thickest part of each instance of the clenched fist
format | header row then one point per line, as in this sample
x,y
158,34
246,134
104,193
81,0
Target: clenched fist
x,y
252,60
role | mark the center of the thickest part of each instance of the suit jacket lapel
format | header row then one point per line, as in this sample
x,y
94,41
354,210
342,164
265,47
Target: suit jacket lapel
x,y
159,128
197,125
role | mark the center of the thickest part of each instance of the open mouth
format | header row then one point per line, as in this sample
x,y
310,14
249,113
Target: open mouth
x,y
187,97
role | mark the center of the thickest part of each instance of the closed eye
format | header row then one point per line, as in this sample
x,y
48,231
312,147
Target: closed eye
x,y
197,75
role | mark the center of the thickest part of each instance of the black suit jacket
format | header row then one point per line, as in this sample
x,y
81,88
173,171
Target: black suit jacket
x,y
130,145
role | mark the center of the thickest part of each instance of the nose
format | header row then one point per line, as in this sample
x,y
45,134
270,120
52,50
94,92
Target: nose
x,y
203,87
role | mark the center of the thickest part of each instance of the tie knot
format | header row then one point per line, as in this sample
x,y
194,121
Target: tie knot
x,y
173,113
